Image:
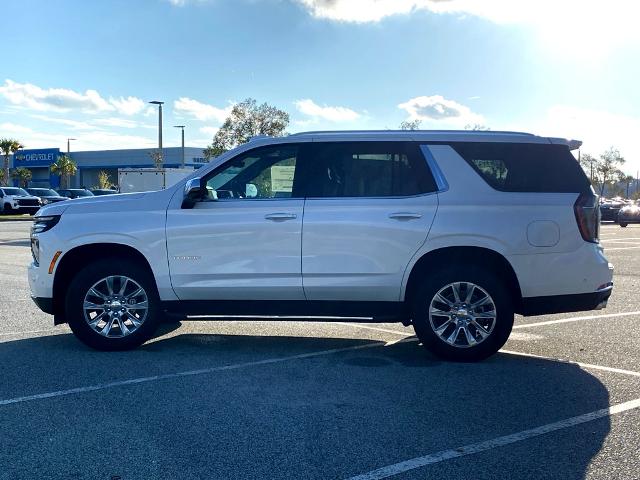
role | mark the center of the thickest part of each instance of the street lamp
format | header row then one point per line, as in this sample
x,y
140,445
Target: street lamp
x,y
69,140
181,127
156,102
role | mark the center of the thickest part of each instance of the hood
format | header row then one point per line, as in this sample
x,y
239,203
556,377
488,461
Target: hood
x,y
119,197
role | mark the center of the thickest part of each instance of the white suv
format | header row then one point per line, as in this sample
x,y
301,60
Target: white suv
x,y
452,232
17,200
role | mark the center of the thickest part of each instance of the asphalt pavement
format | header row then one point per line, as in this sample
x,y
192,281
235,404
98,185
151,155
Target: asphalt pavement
x,y
310,400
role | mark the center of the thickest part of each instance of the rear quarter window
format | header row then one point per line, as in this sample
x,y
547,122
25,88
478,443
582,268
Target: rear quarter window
x,y
524,167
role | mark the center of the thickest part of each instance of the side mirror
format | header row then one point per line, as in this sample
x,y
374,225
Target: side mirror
x,y
193,191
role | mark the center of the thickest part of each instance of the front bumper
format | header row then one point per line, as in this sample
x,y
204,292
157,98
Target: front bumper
x,y
44,304
567,303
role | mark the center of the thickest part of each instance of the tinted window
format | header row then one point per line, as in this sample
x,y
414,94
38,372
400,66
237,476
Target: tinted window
x,y
42,191
525,167
368,169
267,172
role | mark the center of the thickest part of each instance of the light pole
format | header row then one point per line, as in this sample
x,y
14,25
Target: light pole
x,y
159,103
182,128
69,140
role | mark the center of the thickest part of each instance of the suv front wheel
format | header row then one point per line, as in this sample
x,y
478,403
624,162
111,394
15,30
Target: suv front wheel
x,y
113,305
463,314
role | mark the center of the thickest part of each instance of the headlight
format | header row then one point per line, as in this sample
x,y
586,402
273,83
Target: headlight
x,y
44,201
42,224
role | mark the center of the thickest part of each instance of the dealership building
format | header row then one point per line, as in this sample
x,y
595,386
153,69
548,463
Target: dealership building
x,y
90,163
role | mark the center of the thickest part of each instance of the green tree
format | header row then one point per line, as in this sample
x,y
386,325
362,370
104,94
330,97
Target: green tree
x,y
247,119
65,168
8,146
607,168
411,125
104,180
23,175
626,181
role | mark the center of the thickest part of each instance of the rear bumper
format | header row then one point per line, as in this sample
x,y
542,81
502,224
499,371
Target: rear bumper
x,y
566,303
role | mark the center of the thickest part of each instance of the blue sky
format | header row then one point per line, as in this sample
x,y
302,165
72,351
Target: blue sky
x,y
87,69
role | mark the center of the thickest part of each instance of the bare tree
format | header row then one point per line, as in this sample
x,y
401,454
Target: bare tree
x,y
411,124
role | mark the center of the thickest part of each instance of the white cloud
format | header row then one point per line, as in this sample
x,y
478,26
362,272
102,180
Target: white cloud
x,y
33,97
37,98
598,130
438,109
121,123
568,27
200,111
89,140
210,131
332,114
129,105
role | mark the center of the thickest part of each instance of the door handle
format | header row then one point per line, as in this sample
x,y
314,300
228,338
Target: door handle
x,y
280,217
405,215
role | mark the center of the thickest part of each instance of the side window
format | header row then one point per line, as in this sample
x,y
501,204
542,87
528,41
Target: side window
x,y
263,173
525,167
368,169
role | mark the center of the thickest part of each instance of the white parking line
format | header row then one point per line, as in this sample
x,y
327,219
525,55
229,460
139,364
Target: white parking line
x,y
29,332
576,319
621,248
622,240
588,366
203,371
377,329
526,325
412,464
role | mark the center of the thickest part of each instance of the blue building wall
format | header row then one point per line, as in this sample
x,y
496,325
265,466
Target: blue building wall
x,y
90,163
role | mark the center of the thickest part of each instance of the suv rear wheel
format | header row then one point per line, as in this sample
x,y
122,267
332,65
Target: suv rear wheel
x,y
113,305
463,314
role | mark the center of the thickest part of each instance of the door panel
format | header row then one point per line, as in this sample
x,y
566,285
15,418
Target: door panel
x,y
236,249
358,248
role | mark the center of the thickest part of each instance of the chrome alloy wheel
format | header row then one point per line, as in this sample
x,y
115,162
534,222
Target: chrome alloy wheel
x,y
462,314
116,306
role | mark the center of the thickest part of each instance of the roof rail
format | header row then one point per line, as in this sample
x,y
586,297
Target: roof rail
x,y
486,132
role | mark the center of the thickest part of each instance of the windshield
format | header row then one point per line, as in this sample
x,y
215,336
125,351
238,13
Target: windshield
x,y
14,191
42,192
82,193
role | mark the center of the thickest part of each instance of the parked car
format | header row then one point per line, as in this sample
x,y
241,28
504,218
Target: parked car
x,y
46,195
452,232
103,191
629,214
17,200
609,211
75,192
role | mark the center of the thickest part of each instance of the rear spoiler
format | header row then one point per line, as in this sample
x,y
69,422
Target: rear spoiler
x,y
572,144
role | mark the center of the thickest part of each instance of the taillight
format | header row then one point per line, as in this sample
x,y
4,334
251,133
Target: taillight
x,y
588,216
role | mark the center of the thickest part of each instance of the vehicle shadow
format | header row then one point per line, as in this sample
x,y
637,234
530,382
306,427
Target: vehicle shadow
x,y
15,243
329,415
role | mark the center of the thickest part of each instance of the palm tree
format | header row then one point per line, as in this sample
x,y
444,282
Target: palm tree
x,y
64,167
8,146
23,175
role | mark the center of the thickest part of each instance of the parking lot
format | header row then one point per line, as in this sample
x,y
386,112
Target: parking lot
x,y
267,399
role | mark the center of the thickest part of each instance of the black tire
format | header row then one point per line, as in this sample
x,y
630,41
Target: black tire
x,y
486,280
623,224
89,276
7,210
